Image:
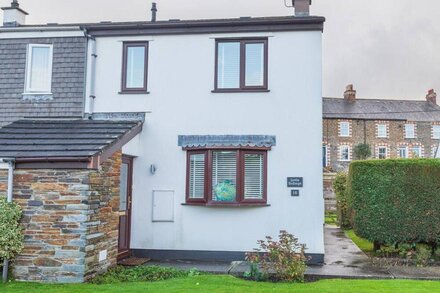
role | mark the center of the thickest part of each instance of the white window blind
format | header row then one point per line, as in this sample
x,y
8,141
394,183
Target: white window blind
x,y
224,175
39,69
228,71
253,176
410,131
197,176
254,65
135,67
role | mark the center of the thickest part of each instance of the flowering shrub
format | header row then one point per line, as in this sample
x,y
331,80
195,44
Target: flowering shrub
x,y
282,260
11,233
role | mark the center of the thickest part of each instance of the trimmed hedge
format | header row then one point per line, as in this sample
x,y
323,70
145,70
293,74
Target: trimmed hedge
x,y
396,201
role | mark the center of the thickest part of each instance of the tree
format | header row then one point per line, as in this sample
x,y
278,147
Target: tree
x,y
362,151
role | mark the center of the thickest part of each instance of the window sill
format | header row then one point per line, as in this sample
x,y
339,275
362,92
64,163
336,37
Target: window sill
x,y
228,205
134,93
37,96
223,91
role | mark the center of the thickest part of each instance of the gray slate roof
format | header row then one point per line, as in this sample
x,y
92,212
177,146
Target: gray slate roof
x,y
188,141
379,109
61,138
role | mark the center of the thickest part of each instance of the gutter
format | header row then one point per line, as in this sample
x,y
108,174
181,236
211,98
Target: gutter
x,y
39,29
11,167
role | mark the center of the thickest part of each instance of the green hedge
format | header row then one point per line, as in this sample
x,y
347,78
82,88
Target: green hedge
x,y
396,201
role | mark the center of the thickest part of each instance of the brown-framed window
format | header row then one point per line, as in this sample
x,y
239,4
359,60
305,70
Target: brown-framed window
x,y
134,67
226,176
241,65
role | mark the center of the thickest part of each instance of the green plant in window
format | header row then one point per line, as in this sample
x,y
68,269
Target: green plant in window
x,y
225,191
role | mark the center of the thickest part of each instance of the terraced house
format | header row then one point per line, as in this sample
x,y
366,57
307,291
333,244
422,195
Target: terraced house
x,y
392,128
174,147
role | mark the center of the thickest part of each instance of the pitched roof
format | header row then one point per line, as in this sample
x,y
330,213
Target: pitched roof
x,y
75,140
379,109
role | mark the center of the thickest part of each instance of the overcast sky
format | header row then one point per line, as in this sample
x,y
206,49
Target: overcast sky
x,y
386,48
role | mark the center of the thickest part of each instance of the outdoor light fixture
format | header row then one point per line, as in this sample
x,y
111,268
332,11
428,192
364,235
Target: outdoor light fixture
x,y
153,169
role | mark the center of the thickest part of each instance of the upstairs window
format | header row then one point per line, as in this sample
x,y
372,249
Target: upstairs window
x,y
241,65
436,131
135,67
226,177
410,131
344,129
382,131
39,69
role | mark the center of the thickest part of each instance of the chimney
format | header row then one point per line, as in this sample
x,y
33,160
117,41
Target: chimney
x,y
153,12
431,96
14,15
350,93
302,7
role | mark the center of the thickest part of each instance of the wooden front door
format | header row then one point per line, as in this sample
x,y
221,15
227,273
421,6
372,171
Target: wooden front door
x,y
125,207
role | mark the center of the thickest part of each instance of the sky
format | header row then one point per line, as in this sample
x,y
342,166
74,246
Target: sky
x,y
386,48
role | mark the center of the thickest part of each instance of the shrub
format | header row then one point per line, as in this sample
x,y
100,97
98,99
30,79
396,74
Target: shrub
x,y
423,254
11,232
282,260
396,201
121,274
342,204
362,151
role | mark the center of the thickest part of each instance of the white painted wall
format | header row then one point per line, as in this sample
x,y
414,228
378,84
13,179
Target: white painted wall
x,y
181,77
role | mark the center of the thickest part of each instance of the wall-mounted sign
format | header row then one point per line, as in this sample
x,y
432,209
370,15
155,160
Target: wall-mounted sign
x,y
295,182
295,192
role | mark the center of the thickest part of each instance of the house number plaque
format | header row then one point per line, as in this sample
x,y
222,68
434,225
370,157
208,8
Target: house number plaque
x,y
295,182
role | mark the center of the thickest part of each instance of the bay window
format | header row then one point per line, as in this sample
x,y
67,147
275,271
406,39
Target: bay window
x,y
241,65
226,176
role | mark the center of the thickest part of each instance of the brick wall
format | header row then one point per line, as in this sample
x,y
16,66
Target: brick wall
x,y
67,79
366,131
69,216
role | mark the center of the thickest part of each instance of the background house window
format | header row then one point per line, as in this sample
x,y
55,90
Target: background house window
x,y
382,152
344,153
325,158
241,65
344,128
236,176
434,151
416,151
403,152
135,67
39,69
382,131
436,131
410,131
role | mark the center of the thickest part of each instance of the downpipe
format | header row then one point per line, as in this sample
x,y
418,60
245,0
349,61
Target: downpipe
x,y
11,167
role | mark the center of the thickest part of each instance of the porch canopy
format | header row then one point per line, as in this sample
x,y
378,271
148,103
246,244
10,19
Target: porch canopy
x,y
64,143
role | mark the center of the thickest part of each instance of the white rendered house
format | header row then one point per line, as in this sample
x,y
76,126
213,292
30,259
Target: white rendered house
x,y
231,147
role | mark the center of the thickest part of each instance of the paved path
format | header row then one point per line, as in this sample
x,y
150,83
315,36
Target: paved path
x,y
343,259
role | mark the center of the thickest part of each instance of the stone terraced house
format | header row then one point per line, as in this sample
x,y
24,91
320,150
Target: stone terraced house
x,y
160,139
392,128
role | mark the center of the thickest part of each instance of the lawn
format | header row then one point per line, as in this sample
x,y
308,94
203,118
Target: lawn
x,y
365,245
212,283
331,218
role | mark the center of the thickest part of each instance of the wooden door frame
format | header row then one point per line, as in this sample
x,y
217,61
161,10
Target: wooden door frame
x,y
129,161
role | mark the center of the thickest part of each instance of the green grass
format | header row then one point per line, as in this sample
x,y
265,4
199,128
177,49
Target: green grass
x,y
211,283
365,245
331,218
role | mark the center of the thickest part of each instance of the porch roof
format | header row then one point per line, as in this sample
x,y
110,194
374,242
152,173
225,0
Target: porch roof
x,y
64,143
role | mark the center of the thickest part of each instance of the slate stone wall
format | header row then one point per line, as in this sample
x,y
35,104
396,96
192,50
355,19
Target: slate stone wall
x,y
69,216
68,75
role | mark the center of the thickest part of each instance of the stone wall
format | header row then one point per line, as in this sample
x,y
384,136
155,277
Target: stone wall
x,y
366,132
69,216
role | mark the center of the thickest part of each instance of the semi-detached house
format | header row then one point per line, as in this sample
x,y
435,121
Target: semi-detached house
x,y
209,129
